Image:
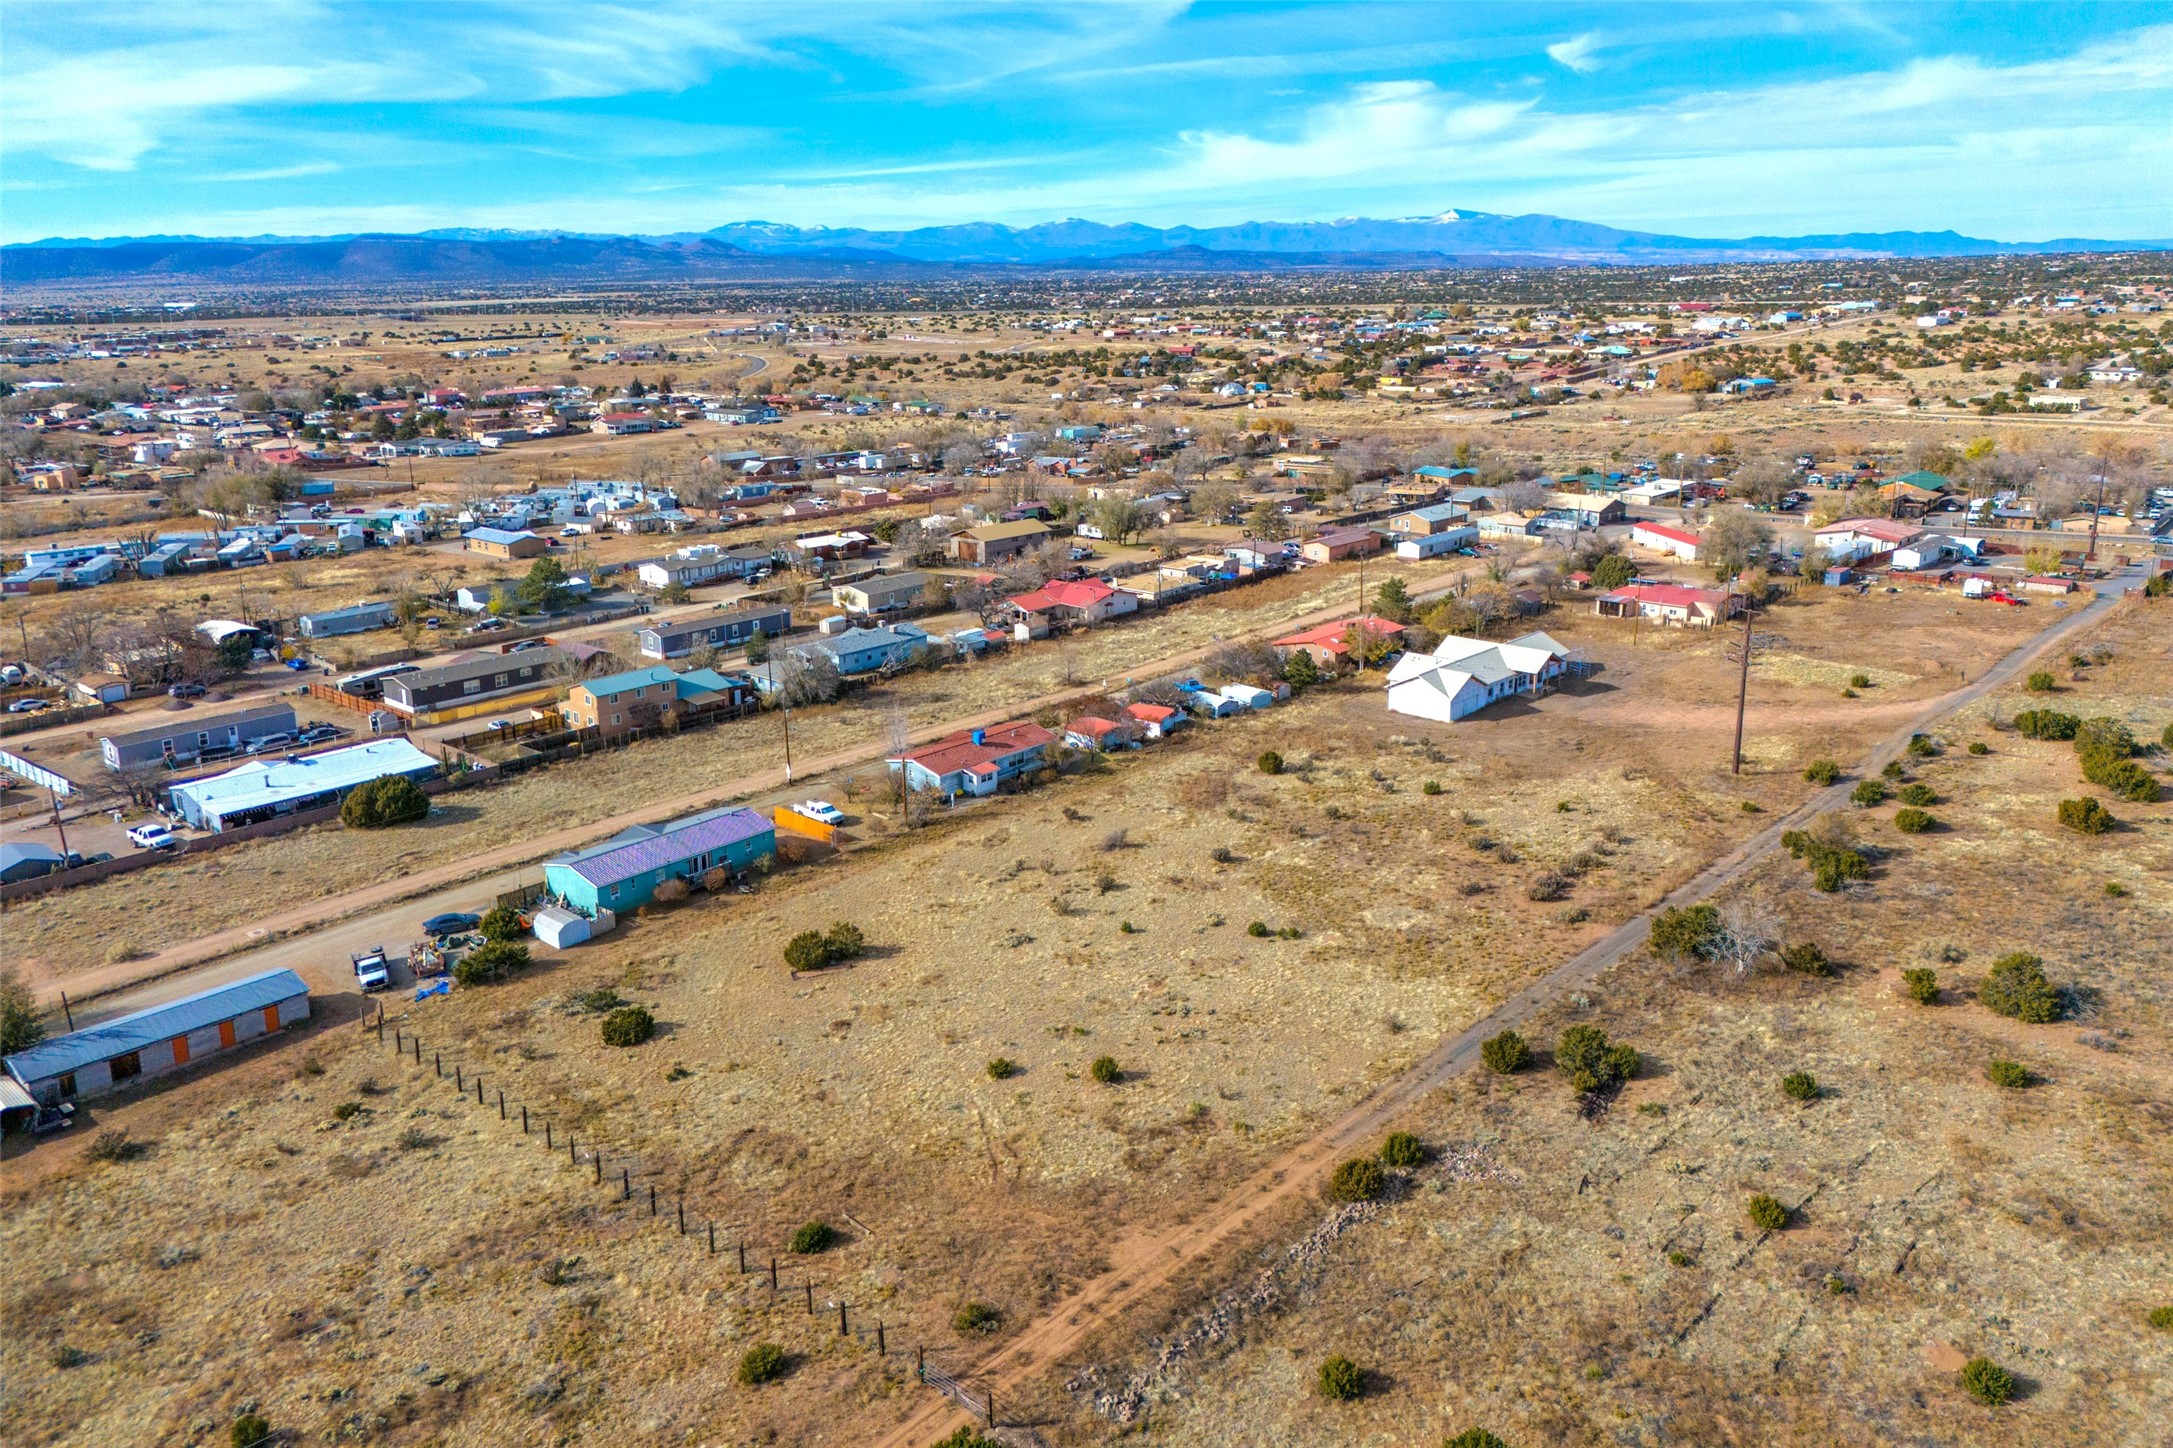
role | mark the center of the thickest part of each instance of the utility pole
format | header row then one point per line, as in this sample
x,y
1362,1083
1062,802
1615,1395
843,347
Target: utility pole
x,y
54,796
1742,690
2092,555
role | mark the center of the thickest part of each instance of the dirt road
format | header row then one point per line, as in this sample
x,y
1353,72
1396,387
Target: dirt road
x,y
1143,1265
476,880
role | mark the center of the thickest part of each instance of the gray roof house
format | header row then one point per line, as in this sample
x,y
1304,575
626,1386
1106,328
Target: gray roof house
x,y
864,650
474,680
882,593
360,619
721,630
189,734
110,1054
27,860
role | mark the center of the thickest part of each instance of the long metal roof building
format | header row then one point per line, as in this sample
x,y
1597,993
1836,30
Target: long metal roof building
x,y
155,1028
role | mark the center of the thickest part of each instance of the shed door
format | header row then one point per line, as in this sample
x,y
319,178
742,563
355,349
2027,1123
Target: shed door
x,y
181,1050
226,1033
271,1018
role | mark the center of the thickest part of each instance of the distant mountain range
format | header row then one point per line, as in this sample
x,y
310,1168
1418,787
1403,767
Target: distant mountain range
x,y
764,249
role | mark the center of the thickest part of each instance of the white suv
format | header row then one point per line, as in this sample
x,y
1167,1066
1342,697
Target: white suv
x,y
156,836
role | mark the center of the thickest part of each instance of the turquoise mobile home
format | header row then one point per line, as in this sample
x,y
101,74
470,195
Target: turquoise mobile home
x,y
623,872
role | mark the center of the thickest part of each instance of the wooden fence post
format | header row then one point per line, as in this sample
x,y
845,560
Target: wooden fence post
x,y
524,1121
682,1217
418,1043
626,1182
458,1084
881,1348
841,1319
652,1200
437,1063
547,1146
773,1274
810,1284
743,1259
479,1091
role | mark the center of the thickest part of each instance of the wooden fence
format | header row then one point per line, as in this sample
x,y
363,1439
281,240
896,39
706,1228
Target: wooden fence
x,y
612,1172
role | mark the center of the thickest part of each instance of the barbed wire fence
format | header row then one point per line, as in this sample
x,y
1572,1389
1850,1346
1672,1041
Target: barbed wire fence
x,y
620,1173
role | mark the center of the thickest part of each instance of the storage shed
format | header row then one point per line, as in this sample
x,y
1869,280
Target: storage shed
x,y
150,1042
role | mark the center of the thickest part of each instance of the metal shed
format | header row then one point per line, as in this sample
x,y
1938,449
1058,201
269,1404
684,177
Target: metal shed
x,y
106,1056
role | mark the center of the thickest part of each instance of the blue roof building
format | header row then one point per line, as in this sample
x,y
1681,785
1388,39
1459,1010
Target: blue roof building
x,y
624,871
262,789
110,1054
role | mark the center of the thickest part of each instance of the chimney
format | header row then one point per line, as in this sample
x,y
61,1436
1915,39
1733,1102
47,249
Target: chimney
x,y
980,736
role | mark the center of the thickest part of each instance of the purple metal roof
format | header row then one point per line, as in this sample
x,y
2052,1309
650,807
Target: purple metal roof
x,y
680,840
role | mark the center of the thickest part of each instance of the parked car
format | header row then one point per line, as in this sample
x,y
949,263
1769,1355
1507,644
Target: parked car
x,y
269,743
488,625
28,706
155,836
318,733
451,923
52,1118
820,810
185,691
433,621
526,644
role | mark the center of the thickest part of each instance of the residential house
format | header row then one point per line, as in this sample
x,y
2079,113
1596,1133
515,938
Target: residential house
x,y
882,593
1062,603
723,630
477,684
1464,675
1682,543
359,619
1586,510
1434,518
623,872
141,1044
1335,544
1257,555
1852,540
623,424
506,542
1329,644
29,860
1671,603
1414,546
1933,549
1506,525
994,543
273,786
703,563
1100,735
183,737
1155,721
618,704
867,650
975,761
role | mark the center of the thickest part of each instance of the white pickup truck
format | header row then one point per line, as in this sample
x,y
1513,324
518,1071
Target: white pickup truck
x,y
371,972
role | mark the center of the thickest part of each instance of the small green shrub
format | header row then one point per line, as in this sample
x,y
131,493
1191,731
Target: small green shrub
x,y
1831,865
1680,1258
1800,1086
249,1430
765,1362
2086,816
1269,762
1585,1055
1685,932
501,922
380,803
1978,746
968,1437
1473,1438
1923,746
1919,795
2016,987
1403,1151
1913,821
843,941
1126,927
1894,770
1358,1180
2010,1075
1340,1379
1505,1054
1805,958
812,1237
1988,1382
2161,1318
2115,890
1822,772
1105,1070
2123,777
2041,682
347,1111
628,1026
1431,786
491,962
977,1317
1003,1068
805,951
1859,681
1288,932
1869,792
1922,984
2046,724
66,1356
1766,1213
1258,930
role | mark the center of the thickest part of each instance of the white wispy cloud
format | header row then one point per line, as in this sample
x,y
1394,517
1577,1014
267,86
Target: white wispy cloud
x,y
1578,53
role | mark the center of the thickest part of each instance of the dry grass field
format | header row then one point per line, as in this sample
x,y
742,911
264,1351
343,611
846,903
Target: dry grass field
x,y
418,1272
1607,1286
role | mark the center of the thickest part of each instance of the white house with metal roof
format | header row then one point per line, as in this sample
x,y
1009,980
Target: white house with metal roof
x,y
106,1056
264,788
1464,675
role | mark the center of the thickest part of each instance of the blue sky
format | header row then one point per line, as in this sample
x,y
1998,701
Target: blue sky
x,y
2019,122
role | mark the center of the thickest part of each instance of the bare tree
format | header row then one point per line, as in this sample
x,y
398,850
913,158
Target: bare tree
x,y
1742,938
